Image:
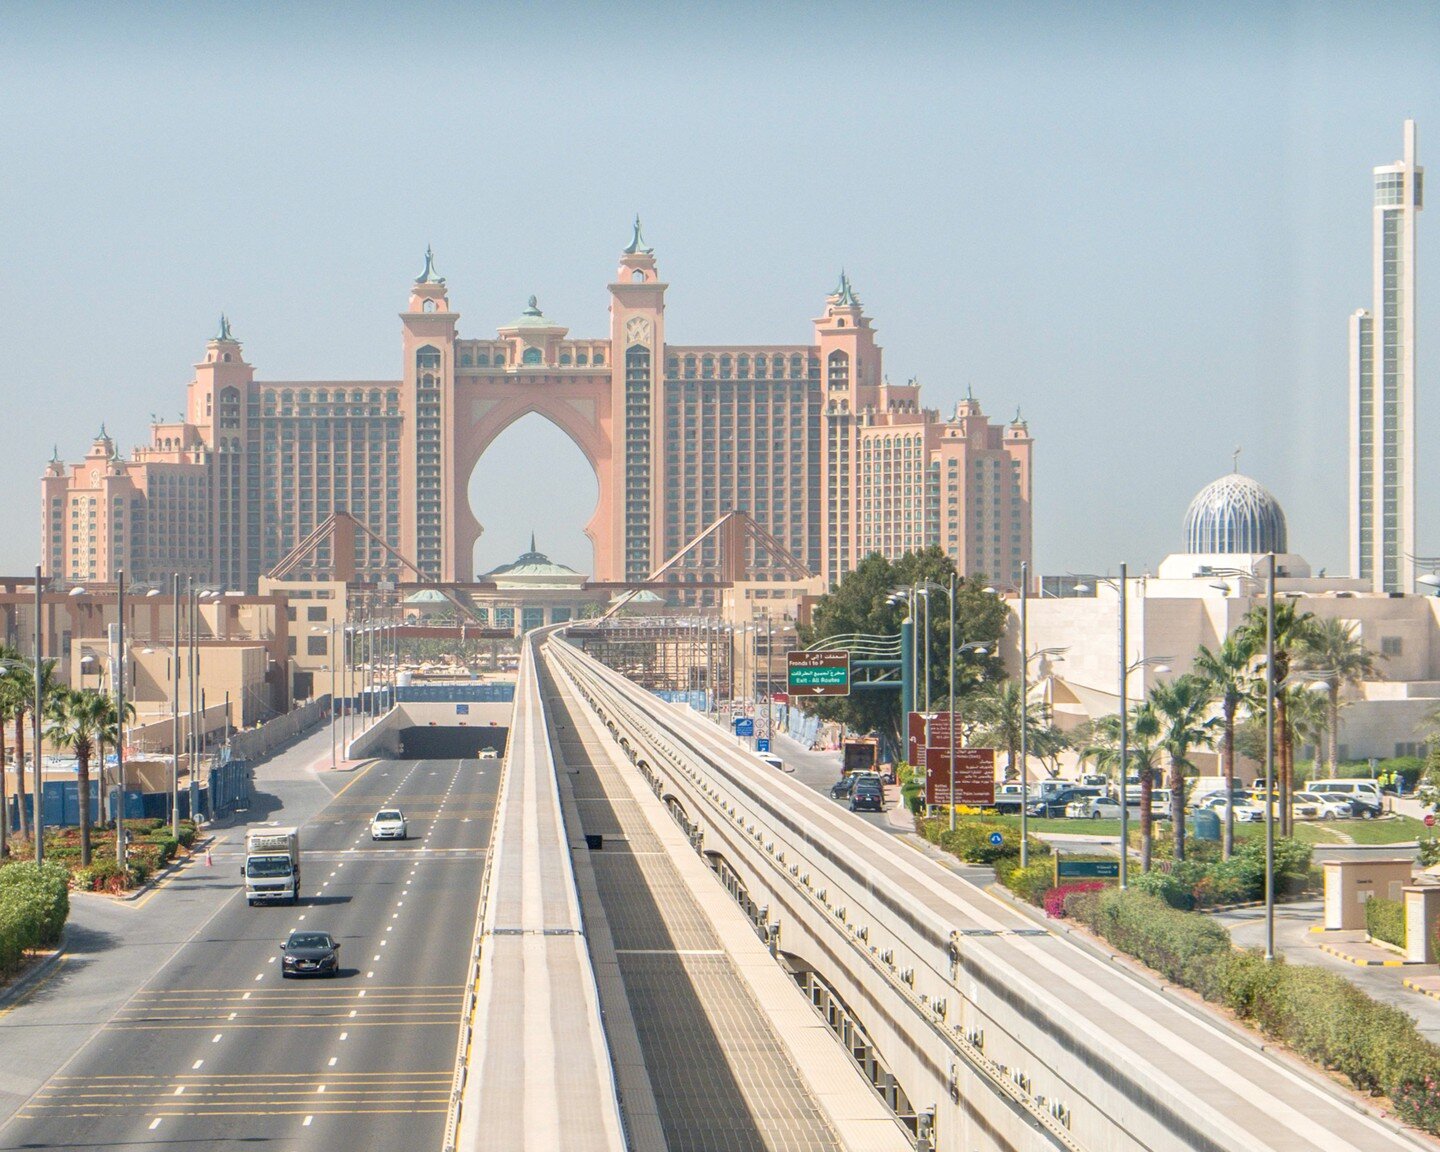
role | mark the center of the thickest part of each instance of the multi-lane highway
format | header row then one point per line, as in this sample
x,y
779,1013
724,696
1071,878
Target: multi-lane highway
x,y
216,1049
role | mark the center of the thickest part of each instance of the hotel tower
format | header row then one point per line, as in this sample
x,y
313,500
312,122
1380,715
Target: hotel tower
x,y
1382,388
811,439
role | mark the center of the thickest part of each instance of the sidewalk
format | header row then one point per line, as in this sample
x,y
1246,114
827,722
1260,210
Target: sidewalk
x,y
1413,988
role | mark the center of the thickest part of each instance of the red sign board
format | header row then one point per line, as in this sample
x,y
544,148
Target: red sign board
x,y
1429,820
939,724
974,776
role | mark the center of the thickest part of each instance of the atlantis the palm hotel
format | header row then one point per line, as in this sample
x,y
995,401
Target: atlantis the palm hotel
x,y
811,439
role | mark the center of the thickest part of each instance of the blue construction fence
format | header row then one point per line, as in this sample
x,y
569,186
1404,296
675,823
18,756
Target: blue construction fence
x,y
698,699
481,693
227,789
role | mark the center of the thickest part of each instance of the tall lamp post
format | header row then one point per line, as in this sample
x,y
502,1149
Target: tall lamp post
x,y
973,646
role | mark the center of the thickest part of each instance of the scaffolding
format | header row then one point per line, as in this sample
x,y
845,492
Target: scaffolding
x,y
690,655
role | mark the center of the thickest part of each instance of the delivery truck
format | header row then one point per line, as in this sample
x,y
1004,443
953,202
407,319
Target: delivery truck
x,y
272,865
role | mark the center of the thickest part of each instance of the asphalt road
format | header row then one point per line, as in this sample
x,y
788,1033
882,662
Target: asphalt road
x,y
216,1050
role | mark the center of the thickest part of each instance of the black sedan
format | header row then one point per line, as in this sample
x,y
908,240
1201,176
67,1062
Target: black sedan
x,y
841,789
310,954
1054,804
867,795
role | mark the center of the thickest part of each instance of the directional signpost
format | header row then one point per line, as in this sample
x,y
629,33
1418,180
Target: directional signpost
x,y
744,726
818,673
1085,869
974,777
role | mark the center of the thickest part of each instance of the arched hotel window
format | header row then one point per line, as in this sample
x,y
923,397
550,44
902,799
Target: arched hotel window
x,y
726,365
428,357
778,368
839,370
530,356
689,367
707,367
599,358
760,363
565,358
744,367
797,366
582,358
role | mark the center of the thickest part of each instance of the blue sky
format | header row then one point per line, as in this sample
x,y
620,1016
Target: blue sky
x,y
1145,225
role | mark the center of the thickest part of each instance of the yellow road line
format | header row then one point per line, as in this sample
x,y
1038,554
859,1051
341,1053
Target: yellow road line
x,y
35,987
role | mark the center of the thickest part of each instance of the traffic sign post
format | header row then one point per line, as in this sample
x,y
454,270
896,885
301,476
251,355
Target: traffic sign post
x,y
1429,823
762,744
974,777
744,726
1085,869
818,673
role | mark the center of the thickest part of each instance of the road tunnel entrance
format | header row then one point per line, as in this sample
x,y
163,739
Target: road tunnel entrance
x,y
444,742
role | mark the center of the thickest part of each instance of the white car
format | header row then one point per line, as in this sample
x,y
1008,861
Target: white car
x,y
1095,808
1245,812
489,754
388,824
1329,806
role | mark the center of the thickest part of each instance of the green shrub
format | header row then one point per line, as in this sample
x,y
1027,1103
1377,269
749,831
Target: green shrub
x,y
1181,946
1385,920
34,902
1167,887
1029,883
970,840
187,833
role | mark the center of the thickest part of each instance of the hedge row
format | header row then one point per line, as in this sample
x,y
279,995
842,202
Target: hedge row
x,y
1385,920
1318,1013
34,902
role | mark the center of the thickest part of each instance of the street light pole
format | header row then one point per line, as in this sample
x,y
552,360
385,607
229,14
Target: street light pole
x,y
333,657
1270,760
38,706
1124,739
952,696
175,717
1024,716
119,724
927,654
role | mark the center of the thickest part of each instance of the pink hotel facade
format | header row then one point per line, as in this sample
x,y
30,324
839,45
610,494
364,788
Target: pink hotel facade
x,y
811,439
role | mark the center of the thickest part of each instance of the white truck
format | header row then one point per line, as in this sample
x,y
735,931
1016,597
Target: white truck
x,y
272,865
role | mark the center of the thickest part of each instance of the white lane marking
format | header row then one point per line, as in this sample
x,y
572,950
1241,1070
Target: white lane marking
x,y
353,1013
362,995
394,916
333,1061
343,1035
303,917
155,1123
320,1089
401,904
372,960
260,976
196,1066
382,944
216,1038
306,1123
180,1091
389,928
368,975
246,996
271,960
233,1015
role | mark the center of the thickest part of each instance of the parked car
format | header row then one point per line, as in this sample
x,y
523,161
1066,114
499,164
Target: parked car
x,y
1055,803
1326,807
310,954
1008,798
1094,808
1364,795
1159,803
1245,811
868,794
840,790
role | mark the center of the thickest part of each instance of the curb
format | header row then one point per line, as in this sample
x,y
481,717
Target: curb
x,y
197,848
1331,950
16,990
1433,993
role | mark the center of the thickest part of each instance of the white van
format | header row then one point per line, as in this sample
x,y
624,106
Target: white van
x,y
1364,795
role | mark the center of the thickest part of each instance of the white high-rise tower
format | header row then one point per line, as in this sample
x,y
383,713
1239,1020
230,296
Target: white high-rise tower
x,y
1382,388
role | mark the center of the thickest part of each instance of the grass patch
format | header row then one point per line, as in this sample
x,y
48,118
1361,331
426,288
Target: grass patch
x,y
1386,830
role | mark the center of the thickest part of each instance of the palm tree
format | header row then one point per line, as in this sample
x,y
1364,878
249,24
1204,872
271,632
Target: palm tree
x,y
997,714
1182,707
1332,647
1228,672
1292,629
8,704
22,679
1307,715
110,735
1143,753
77,720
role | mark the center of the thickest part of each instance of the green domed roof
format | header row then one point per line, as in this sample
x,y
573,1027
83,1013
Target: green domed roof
x,y
532,317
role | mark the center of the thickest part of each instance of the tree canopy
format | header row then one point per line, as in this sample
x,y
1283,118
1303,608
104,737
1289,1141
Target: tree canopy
x,y
860,604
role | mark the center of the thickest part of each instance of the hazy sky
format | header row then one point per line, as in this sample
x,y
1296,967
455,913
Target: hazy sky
x,y
1144,224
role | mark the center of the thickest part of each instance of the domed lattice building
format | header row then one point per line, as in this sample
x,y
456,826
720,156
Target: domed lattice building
x,y
1234,514
1233,523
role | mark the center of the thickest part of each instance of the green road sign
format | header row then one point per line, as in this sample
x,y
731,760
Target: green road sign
x,y
1085,869
818,673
